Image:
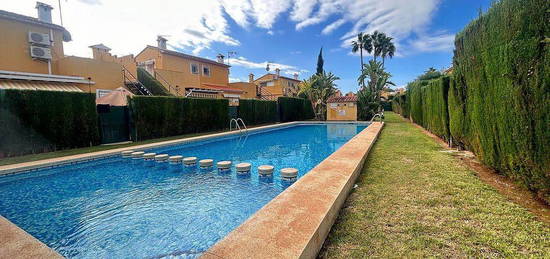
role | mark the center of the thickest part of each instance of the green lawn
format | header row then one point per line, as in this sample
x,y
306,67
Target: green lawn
x,y
413,200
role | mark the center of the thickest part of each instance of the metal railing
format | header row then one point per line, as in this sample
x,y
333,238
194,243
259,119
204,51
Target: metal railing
x,y
237,125
379,115
159,76
136,83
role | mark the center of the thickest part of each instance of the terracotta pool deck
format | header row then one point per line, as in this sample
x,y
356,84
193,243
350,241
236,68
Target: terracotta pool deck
x,y
294,224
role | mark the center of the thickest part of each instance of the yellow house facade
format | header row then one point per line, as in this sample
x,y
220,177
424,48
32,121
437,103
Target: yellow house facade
x,y
181,74
32,57
342,108
277,85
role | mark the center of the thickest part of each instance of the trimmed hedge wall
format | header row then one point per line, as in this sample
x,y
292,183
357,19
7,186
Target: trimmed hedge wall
x,y
400,105
500,98
257,111
435,114
43,121
294,109
414,98
157,117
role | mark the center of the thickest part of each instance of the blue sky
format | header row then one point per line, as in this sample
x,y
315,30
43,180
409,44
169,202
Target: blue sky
x,y
286,33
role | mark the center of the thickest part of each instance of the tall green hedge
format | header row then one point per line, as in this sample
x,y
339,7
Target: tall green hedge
x,y
435,116
500,98
414,100
156,117
257,111
42,121
294,109
400,105
151,83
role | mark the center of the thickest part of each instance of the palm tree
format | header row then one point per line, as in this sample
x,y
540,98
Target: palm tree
x,y
388,49
357,45
378,39
318,89
369,97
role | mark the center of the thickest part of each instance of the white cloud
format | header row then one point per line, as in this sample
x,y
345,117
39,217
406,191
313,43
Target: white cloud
x,y
333,26
286,69
237,79
441,42
127,26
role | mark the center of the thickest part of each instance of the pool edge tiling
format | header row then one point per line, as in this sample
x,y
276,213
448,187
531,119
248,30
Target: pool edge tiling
x,y
16,243
296,222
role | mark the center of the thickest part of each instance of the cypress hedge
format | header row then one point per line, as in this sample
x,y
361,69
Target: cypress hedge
x,y
414,98
43,121
157,117
257,111
435,116
500,100
294,109
399,105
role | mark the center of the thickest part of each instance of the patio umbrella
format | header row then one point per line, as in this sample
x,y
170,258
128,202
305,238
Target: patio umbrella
x,y
118,97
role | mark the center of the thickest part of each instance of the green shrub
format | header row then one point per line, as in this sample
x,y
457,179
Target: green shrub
x,y
151,83
257,111
500,100
42,121
294,109
399,105
435,117
157,117
414,98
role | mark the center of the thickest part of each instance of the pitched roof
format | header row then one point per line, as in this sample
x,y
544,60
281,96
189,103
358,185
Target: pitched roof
x,y
224,89
35,21
179,54
342,99
268,74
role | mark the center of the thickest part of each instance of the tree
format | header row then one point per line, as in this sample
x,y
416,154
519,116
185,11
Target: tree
x,y
320,63
369,96
318,89
388,49
429,74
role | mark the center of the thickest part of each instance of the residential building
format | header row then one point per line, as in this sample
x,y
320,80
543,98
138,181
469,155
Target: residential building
x,y
342,108
32,57
186,75
276,85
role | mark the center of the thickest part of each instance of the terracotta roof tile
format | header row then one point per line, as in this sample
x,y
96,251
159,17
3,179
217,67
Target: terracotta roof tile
x,y
342,99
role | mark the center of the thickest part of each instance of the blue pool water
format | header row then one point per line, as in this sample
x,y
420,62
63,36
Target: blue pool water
x,y
122,208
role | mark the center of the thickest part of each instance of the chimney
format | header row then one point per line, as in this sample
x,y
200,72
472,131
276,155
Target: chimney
x,y
161,42
295,76
44,12
251,78
220,58
277,73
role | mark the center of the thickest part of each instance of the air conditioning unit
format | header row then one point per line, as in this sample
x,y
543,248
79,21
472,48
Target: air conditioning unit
x,y
39,38
41,52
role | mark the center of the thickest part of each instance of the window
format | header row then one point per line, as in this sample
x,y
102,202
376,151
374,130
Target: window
x,y
333,105
270,83
194,68
205,70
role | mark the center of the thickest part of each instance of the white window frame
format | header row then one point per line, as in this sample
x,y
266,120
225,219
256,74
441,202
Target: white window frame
x,y
191,68
209,70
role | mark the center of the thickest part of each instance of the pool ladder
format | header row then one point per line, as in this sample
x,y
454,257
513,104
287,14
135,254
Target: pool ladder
x,y
237,125
379,115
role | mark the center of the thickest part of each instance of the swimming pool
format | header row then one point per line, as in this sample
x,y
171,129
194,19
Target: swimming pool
x,y
120,208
